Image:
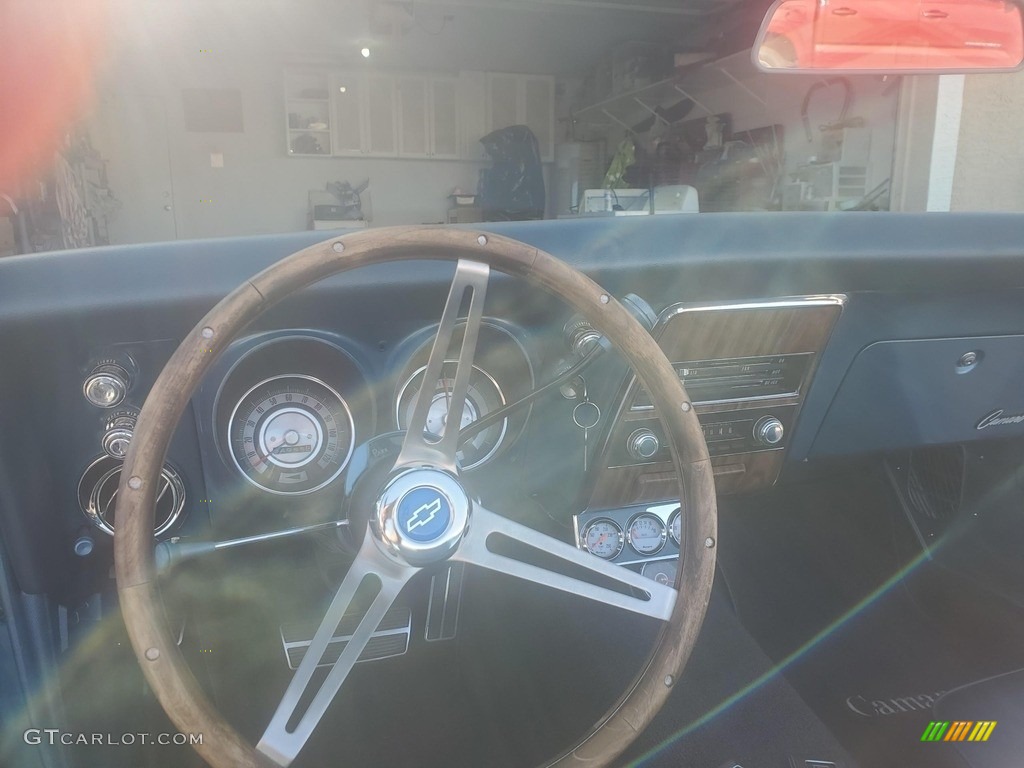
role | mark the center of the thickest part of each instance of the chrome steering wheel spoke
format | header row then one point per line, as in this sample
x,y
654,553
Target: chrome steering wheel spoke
x,y
417,449
291,726
625,589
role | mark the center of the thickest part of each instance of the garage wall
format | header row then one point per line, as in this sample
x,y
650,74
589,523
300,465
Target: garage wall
x,y
138,124
989,174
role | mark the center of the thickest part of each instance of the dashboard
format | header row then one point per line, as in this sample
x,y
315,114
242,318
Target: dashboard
x,y
280,415
774,331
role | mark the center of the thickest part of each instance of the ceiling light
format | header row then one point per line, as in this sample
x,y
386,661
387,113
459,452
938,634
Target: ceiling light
x,y
365,53
343,89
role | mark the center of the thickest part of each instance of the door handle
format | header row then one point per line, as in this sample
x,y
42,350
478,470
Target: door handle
x,y
844,11
935,14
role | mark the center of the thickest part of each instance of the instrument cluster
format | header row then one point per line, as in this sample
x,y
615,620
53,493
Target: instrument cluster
x,y
293,406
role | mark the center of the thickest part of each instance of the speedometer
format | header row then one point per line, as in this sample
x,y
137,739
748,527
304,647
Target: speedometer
x,y
291,434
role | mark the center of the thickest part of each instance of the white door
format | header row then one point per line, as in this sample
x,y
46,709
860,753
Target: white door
x,y
130,132
381,116
539,112
347,125
444,117
413,133
502,101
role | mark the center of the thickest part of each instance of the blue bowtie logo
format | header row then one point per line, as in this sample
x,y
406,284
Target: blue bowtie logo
x,y
424,514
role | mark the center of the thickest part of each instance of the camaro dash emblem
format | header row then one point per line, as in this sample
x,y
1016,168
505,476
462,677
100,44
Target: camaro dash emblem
x,y
997,419
423,515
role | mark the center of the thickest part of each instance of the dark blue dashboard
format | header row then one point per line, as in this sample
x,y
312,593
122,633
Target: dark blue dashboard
x,y
955,279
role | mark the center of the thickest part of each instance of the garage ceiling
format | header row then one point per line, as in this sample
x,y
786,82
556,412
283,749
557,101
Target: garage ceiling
x,y
561,37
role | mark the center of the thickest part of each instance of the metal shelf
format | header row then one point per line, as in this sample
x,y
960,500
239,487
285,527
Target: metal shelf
x,y
696,75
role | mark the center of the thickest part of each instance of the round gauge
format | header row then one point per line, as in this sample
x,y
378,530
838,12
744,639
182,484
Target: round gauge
x,y
602,538
675,527
646,534
482,397
661,571
291,434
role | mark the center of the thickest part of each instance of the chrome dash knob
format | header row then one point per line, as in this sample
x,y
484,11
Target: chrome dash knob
x,y
643,445
769,431
107,385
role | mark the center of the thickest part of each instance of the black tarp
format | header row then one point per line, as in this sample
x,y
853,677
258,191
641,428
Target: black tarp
x,y
513,187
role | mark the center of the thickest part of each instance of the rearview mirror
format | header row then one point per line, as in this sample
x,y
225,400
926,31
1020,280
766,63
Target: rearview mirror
x,y
890,36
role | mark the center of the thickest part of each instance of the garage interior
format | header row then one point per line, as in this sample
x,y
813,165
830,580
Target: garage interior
x,y
291,116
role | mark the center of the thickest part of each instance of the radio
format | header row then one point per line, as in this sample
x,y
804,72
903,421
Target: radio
x,y
746,367
742,378
758,430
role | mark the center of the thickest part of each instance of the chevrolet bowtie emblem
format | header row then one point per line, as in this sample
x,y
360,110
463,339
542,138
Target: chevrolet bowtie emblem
x,y
423,515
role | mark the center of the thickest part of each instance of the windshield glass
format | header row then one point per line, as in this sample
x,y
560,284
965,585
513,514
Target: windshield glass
x,y
135,122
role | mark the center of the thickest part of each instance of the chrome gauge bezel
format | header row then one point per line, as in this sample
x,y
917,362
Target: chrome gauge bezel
x,y
620,537
674,520
661,525
90,495
342,464
403,390
651,566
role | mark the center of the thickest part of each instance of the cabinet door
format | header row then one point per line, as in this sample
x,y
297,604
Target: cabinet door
x,y
539,112
380,123
413,131
347,108
472,114
502,101
444,117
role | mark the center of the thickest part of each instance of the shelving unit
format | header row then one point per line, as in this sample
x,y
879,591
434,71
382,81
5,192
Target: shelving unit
x,y
626,109
307,113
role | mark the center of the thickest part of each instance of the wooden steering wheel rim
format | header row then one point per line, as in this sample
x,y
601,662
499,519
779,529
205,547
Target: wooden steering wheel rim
x,y
162,663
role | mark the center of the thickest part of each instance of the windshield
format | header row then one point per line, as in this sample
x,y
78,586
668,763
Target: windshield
x,y
136,122
634,384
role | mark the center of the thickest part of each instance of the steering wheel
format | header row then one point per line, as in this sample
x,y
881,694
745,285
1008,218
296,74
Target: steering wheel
x,y
422,515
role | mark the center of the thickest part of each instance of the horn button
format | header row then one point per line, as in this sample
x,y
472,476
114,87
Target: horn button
x,y
421,516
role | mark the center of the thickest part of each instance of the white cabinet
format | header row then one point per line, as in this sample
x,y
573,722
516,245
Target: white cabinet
x,y
444,118
428,117
473,117
380,127
523,100
538,98
502,101
365,114
347,110
414,135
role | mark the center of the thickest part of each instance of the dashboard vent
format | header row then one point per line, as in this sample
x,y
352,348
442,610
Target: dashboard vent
x,y
741,378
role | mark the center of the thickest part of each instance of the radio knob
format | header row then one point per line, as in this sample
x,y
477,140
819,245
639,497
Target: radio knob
x,y
769,431
643,444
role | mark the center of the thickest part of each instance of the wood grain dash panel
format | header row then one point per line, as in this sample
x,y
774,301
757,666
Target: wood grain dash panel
x,y
695,333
